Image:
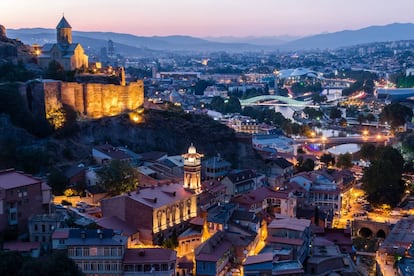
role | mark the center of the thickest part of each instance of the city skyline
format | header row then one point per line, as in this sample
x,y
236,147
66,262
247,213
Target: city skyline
x,y
207,18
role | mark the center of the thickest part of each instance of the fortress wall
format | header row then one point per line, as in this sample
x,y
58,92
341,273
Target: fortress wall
x,y
51,90
135,95
91,100
109,99
72,95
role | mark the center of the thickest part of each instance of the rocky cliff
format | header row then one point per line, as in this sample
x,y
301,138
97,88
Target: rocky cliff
x,y
12,50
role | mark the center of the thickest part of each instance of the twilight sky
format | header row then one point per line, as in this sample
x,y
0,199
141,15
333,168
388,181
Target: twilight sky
x,y
207,17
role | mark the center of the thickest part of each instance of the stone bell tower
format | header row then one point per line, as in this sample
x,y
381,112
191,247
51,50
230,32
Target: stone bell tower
x,y
192,169
64,32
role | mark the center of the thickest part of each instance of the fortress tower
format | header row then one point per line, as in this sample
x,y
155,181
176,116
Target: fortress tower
x,y
192,169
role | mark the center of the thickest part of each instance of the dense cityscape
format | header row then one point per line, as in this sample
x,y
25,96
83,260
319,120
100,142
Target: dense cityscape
x,y
178,163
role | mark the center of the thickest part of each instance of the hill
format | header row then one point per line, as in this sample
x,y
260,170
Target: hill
x,y
167,131
128,44
391,32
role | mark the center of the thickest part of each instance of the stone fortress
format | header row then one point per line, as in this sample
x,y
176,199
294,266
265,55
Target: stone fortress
x,y
91,100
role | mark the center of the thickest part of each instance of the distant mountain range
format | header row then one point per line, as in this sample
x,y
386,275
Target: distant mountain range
x,y
131,45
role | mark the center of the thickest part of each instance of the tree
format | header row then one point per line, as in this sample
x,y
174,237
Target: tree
x,y
344,161
307,165
57,181
360,118
312,113
335,113
48,265
317,98
327,159
367,151
200,86
382,179
407,144
343,122
396,114
117,177
370,117
217,104
233,105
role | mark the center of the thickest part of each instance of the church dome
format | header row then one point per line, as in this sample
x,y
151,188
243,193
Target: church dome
x,y
192,149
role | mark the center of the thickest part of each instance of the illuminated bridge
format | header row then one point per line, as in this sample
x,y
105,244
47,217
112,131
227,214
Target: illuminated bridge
x,y
272,100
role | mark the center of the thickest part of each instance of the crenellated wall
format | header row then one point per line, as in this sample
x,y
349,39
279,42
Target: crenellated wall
x,y
90,100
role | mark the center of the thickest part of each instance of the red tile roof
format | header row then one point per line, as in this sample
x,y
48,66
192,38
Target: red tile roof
x,y
158,196
213,249
296,242
112,152
260,194
116,223
60,234
197,221
260,258
290,223
10,179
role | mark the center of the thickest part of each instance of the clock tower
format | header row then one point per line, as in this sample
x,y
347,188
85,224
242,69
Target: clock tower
x,y
192,169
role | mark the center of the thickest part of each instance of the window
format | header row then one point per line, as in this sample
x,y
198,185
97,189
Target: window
x,y
43,228
93,251
61,241
85,252
35,227
78,251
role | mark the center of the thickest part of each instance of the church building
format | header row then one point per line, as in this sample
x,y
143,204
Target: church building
x,y
70,55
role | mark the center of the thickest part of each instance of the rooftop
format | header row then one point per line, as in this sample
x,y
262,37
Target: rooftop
x,y
290,223
94,237
260,258
157,196
10,179
149,256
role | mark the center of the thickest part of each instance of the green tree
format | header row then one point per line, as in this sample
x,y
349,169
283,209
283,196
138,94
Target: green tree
x,y
344,161
201,86
56,71
396,114
382,179
232,105
317,98
370,117
57,181
49,265
306,165
327,159
10,263
368,151
312,113
343,122
335,113
360,118
217,104
117,177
